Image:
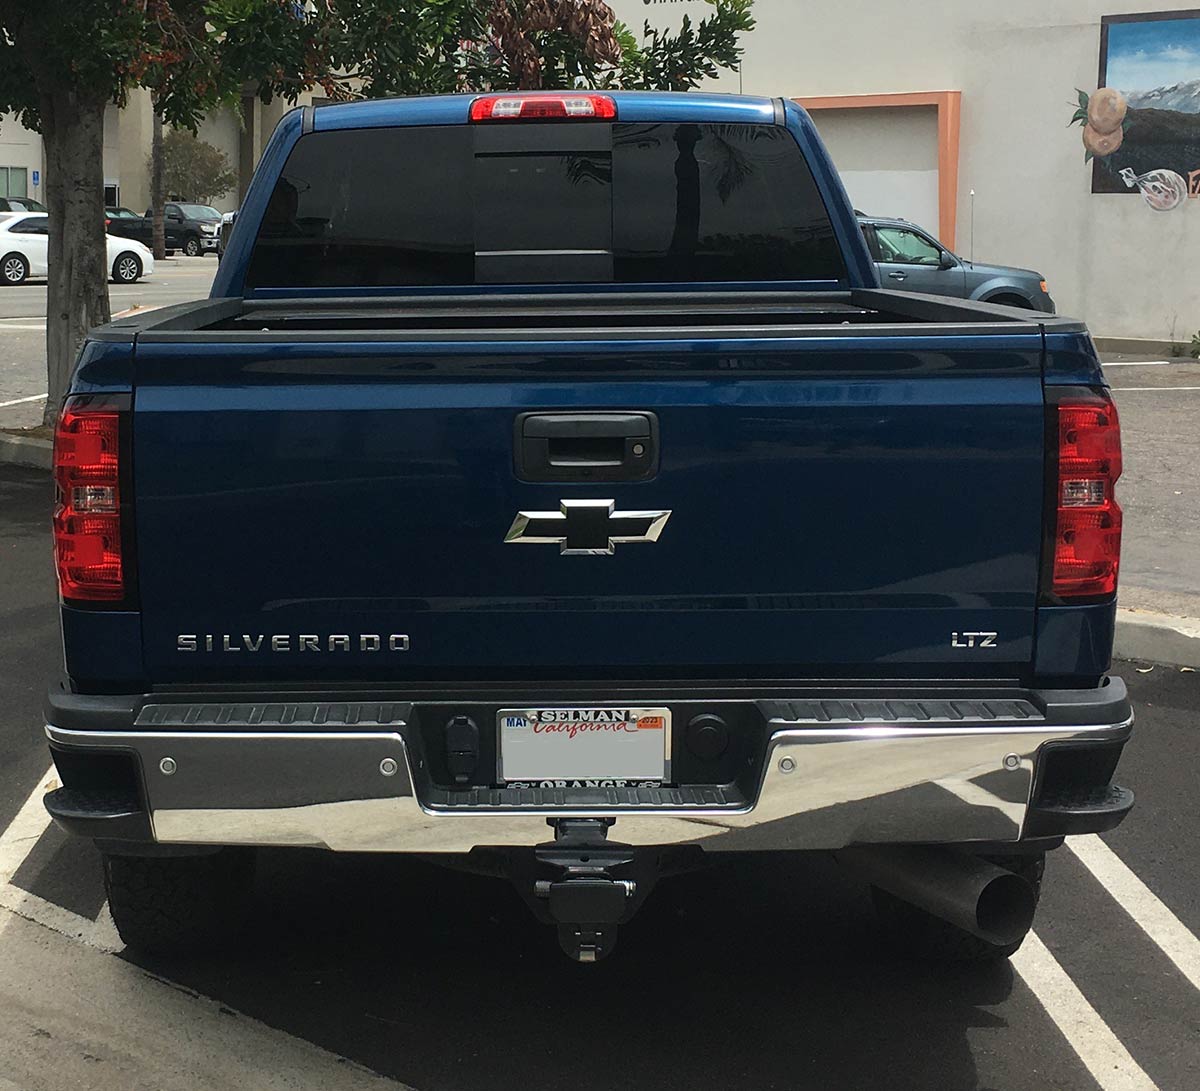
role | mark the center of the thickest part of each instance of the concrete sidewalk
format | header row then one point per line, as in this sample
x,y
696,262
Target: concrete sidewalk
x,y
1159,404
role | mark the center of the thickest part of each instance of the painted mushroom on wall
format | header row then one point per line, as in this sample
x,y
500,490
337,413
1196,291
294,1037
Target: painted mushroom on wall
x,y
1141,128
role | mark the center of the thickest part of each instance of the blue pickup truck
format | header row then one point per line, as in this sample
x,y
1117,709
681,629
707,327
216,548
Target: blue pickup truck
x,y
548,488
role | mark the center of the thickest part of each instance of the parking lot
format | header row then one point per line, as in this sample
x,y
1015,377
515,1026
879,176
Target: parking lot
x,y
23,328
764,973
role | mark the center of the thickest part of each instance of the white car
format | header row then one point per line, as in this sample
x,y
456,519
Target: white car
x,y
24,240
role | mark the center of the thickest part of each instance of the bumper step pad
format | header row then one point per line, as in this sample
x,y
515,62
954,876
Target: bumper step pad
x,y
1079,810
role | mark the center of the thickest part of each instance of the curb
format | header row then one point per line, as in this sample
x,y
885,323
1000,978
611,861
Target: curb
x,y
1140,346
1157,638
25,451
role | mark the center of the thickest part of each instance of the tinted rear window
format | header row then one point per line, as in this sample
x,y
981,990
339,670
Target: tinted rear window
x,y
544,204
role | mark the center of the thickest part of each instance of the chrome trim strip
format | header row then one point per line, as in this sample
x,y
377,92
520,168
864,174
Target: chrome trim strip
x,y
822,788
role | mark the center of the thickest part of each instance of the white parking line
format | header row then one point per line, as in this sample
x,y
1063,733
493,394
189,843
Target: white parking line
x,y
1141,903
1088,1035
24,830
214,1030
17,842
24,326
1144,363
22,401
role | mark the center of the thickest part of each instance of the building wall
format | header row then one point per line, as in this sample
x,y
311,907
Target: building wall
x,y
222,128
127,136
112,151
21,148
135,128
1109,258
888,159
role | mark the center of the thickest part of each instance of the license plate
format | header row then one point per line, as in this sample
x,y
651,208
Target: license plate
x,y
584,747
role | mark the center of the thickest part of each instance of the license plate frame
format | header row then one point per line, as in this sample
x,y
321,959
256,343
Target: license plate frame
x,y
584,746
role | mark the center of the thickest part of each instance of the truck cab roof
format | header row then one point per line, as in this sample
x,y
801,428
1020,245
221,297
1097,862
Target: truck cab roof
x,y
656,106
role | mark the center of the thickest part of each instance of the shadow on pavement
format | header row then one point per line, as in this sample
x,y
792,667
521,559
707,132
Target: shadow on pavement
x,y
759,973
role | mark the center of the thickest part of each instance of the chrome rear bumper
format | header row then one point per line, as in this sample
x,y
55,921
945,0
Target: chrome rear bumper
x,y
821,786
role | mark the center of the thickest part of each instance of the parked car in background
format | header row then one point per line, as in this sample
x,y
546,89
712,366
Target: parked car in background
x,y
188,227
909,259
21,204
24,242
224,231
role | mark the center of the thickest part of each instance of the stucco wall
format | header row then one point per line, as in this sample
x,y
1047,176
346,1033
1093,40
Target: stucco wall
x,y
21,148
135,128
222,128
1109,258
887,159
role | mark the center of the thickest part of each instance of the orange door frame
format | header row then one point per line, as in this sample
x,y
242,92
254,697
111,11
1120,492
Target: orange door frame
x,y
949,108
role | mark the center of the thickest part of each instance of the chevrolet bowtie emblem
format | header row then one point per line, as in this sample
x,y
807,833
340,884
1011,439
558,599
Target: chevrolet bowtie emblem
x,y
586,527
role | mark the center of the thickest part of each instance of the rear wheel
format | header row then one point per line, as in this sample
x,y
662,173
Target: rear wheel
x,y
192,247
14,269
179,905
127,268
914,933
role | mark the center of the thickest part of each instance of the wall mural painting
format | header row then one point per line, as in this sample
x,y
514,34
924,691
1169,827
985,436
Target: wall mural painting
x,y
1141,127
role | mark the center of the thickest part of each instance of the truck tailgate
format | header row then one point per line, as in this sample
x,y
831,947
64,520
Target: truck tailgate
x,y
836,503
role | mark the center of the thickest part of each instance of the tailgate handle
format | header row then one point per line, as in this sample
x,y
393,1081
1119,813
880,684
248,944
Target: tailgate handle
x,y
586,446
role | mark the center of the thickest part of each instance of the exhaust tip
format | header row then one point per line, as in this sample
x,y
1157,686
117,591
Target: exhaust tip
x,y
1004,912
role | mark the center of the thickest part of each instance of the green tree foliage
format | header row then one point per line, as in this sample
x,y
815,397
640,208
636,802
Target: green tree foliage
x,y
63,61
401,47
678,62
194,169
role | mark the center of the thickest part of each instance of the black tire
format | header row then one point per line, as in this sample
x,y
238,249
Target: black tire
x,y
127,268
14,269
180,905
191,246
913,933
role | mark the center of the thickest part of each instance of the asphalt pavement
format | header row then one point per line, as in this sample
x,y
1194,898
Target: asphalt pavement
x,y
384,972
1159,404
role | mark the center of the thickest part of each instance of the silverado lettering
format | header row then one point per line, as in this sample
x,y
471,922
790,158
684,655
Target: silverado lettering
x,y
286,642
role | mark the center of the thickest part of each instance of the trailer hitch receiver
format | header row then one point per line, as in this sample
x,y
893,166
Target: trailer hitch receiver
x,y
591,894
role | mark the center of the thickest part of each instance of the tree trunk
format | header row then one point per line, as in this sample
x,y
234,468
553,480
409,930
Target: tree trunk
x,y
77,292
157,184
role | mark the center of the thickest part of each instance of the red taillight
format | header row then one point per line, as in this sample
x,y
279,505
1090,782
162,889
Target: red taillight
x,y
1087,532
87,512
565,105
